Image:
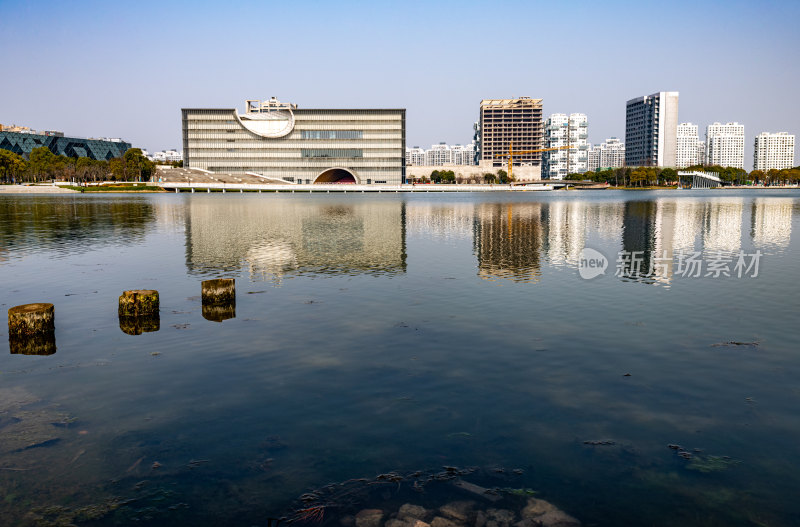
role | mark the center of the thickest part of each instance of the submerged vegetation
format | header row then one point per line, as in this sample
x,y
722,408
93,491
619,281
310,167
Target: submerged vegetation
x,y
706,464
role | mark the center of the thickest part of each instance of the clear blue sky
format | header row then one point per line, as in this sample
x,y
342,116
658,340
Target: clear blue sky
x,y
126,69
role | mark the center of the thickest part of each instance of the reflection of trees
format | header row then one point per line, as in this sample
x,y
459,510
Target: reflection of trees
x,y
293,235
68,224
508,240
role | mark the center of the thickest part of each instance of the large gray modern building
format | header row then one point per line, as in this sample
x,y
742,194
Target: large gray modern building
x,y
277,140
651,127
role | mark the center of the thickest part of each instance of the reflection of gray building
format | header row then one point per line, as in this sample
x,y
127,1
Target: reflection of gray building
x,y
508,241
281,141
638,235
291,236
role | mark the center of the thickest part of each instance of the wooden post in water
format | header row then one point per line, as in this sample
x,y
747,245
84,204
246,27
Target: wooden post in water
x,y
31,319
219,299
139,311
138,302
219,291
31,329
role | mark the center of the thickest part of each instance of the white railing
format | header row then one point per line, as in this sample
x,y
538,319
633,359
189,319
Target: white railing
x,y
350,188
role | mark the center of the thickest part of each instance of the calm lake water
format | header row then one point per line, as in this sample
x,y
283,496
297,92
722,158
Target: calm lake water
x,y
379,334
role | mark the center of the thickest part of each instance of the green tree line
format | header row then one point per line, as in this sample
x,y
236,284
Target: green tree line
x,y
448,176
44,165
652,176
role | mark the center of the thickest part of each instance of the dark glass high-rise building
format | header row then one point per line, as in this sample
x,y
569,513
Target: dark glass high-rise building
x,y
23,143
651,129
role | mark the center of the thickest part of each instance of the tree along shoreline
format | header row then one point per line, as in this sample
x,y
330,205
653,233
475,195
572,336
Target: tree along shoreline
x,y
43,165
666,177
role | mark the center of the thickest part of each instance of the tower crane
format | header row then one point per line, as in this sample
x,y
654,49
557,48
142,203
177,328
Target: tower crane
x,y
511,153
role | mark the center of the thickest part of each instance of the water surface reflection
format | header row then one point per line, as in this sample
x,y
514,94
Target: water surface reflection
x,y
312,237
403,333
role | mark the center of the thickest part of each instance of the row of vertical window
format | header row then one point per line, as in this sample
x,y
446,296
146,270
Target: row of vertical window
x,y
331,152
331,134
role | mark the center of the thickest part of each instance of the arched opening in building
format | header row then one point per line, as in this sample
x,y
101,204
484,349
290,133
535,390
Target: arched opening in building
x,y
336,175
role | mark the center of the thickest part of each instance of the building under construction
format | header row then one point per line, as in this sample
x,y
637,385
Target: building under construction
x,y
506,121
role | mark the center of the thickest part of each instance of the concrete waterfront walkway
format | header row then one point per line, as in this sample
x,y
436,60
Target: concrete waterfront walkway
x,y
34,189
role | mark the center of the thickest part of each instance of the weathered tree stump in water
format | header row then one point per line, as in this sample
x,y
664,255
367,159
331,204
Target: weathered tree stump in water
x,y
219,291
138,302
44,344
140,324
31,319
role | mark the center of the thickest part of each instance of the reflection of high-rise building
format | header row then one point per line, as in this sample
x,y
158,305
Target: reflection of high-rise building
x,y
606,219
722,229
508,240
676,226
566,231
289,236
663,240
169,215
638,236
441,221
771,222
687,224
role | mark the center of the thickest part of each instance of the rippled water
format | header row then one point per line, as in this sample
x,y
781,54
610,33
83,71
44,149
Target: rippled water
x,y
380,333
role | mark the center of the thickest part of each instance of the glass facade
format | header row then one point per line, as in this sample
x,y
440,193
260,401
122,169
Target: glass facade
x,y
24,143
332,152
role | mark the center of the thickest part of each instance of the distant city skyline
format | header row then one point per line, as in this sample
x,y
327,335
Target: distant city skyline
x,y
98,69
